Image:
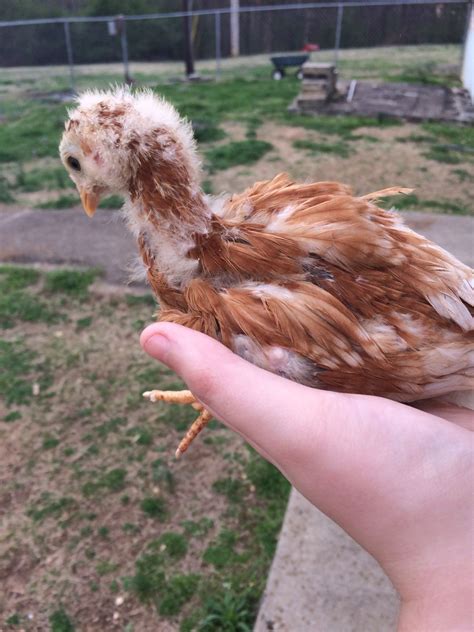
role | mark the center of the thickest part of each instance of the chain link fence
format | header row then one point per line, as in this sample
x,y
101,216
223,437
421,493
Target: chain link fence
x,y
332,27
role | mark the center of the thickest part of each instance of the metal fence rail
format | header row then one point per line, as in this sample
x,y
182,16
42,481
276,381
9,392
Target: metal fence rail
x,y
324,22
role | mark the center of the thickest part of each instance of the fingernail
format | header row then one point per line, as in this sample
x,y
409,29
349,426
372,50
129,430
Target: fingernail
x,y
157,346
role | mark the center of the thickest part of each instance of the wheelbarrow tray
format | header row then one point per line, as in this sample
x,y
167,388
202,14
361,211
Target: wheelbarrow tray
x,y
285,61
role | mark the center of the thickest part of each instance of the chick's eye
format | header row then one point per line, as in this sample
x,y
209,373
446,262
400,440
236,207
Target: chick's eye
x,y
74,163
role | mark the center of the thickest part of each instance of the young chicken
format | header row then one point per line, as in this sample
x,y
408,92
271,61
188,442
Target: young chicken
x,y
304,280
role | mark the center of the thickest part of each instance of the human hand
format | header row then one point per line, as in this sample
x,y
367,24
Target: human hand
x,y
397,479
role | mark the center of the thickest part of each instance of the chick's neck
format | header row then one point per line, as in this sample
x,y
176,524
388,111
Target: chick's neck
x,y
169,214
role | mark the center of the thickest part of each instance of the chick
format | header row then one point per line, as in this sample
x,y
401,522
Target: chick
x,y
304,280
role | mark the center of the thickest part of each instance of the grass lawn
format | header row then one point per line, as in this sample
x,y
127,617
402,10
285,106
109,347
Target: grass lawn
x,y
102,527
245,132
99,519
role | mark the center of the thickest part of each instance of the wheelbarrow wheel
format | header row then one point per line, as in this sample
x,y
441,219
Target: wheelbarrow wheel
x,y
277,75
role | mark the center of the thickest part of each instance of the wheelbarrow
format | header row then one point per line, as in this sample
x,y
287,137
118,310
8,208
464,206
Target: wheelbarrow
x,y
282,62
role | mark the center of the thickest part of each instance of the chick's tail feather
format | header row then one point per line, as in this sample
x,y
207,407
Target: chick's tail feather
x,y
371,197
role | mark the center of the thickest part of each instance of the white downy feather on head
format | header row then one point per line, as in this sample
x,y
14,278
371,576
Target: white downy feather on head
x,y
108,129
137,145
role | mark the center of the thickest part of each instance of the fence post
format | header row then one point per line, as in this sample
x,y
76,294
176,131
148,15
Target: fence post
x,y
188,39
337,43
234,28
124,44
70,60
217,25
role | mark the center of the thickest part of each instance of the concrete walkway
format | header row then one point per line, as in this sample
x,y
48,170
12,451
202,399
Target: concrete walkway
x,y
320,580
70,237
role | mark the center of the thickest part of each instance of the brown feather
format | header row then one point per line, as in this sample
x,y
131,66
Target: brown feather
x,y
336,281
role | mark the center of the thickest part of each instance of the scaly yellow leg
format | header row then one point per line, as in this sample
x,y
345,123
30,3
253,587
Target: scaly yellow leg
x,y
183,397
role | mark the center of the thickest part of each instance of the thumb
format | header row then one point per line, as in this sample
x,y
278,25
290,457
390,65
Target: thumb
x,y
257,404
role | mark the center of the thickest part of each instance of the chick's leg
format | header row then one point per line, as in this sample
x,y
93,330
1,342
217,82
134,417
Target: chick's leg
x,y
183,397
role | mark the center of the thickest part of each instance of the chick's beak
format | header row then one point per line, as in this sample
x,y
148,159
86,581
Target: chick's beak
x,y
89,201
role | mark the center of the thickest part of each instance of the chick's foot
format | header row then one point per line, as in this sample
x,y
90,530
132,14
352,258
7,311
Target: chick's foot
x,y
183,397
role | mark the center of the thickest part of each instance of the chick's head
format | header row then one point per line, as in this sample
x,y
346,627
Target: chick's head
x,y
110,136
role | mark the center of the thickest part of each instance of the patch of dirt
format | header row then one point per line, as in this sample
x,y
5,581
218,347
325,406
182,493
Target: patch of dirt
x,y
235,131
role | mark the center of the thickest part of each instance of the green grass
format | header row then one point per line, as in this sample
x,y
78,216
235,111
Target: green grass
x,y
72,282
154,508
197,528
339,149
50,442
443,154
14,415
151,583
416,138
206,186
462,135
110,426
425,74
227,612
454,143
236,99
176,416
112,481
60,622
21,306
343,126
149,578
446,142
5,194
170,544
207,131
63,201
367,137
83,323
221,552
113,202
268,481
178,590
17,278
162,474
31,131
13,619
412,201
232,488
463,175
141,436
133,300
245,152
16,369
105,568
43,179
50,507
